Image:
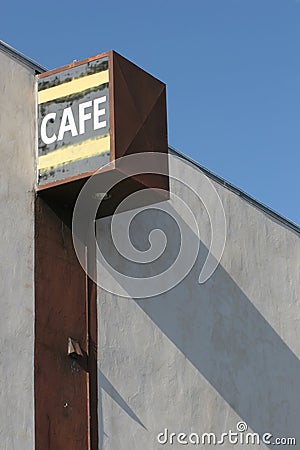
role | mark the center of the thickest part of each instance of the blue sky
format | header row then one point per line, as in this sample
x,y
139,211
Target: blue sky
x,y
232,69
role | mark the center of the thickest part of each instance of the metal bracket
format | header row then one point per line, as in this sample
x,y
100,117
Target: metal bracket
x,y
74,349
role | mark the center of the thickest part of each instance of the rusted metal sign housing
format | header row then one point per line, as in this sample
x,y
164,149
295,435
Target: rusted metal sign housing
x,y
91,113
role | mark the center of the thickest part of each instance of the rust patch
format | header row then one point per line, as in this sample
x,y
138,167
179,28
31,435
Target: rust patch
x,y
62,404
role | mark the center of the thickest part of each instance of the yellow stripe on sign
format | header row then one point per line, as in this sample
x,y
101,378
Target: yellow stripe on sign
x,y
73,87
68,154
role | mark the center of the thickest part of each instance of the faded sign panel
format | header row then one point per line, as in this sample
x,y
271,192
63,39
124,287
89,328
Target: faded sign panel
x,y
73,121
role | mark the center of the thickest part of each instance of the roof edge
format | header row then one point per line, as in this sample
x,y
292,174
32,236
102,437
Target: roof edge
x,y
239,192
6,48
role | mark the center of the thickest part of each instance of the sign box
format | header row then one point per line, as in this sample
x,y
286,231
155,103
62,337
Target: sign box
x,y
90,114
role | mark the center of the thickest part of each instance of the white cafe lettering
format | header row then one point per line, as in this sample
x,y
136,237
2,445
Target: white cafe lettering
x,y
68,123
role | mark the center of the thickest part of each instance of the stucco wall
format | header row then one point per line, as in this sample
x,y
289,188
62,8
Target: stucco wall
x,y
201,358
17,144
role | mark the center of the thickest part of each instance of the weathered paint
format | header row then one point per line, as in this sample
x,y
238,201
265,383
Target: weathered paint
x,y
17,149
65,92
203,357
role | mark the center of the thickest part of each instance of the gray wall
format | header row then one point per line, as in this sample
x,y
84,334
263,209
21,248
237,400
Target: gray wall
x,y
200,358
17,146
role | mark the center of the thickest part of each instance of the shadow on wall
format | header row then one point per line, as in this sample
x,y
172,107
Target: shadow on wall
x,y
104,385
230,343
